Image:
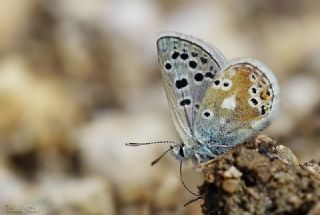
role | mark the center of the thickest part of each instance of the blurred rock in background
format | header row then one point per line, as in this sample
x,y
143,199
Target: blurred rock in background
x,y
78,79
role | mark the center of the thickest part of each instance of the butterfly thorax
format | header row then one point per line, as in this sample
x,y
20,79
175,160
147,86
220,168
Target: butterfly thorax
x,y
197,153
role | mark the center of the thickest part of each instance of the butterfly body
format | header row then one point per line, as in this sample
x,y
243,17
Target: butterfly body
x,y
215,103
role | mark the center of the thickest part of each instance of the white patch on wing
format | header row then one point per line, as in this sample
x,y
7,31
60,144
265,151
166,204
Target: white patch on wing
x,y
229,103
232,72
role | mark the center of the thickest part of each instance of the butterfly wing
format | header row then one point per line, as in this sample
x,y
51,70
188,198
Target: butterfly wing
x,y
241,102
188,67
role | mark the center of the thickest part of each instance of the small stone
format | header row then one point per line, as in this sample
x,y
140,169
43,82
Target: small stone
x,y
230,185
267,185
314,167
232,172
209,177
294,200
253,193
286,155
283,178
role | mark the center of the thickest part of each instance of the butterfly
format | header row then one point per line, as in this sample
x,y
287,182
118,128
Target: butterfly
x,y
215,103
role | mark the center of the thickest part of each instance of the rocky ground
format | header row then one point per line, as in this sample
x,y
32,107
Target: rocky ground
x,y
260,177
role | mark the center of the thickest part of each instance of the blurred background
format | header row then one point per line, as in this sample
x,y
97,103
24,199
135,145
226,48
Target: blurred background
x,y
79,78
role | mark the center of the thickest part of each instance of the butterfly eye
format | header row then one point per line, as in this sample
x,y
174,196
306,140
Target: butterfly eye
x,y
207,114
181,152
226,85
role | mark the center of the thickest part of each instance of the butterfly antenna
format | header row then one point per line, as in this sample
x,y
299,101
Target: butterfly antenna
x,y
192,200
149,143
186,186
161,156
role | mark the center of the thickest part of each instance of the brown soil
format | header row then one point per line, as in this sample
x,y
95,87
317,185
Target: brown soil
x,y
260,177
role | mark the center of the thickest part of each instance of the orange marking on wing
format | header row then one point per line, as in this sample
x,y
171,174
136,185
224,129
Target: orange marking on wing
x,y
264,95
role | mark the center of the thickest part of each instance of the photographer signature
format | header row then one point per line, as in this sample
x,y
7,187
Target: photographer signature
x,y
25,211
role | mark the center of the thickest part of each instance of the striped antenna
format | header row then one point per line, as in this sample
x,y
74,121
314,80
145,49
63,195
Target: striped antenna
x,y
149,143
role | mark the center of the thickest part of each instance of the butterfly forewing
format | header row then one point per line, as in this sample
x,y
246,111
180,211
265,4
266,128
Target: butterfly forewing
x,y
189,67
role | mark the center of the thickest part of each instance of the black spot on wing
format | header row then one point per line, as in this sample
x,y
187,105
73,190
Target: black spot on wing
x,y
168,66
263,110
193,64
181,83
209,75
204,60
185,102
184,56
198,77
175,55
254,101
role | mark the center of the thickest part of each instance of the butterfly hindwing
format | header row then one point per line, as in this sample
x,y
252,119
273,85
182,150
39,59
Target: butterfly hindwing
x,y
241,101
189,67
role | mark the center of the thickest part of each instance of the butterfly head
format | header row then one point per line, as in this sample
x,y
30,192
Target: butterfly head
x,y
180,152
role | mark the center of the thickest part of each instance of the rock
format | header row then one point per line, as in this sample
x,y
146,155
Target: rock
x,y
230,185
269,183
232,172
314,167
286,155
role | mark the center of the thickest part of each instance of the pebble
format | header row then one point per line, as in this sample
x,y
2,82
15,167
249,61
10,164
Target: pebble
x,y
232,172
230,185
